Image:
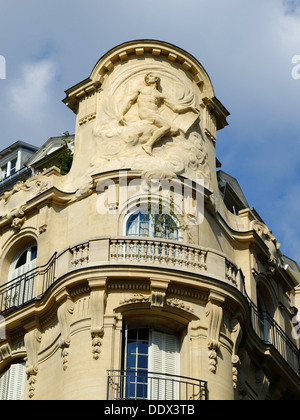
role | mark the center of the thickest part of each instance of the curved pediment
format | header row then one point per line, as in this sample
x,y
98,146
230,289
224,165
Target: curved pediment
x,y
140,50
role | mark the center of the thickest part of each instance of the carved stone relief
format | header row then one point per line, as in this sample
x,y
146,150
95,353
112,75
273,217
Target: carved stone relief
x,y
148,119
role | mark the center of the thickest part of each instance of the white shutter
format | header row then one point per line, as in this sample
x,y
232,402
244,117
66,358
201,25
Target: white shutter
x,y
4,377
23,292
163,360
12,383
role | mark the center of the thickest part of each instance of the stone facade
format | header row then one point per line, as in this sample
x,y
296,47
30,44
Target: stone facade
x,y
195,285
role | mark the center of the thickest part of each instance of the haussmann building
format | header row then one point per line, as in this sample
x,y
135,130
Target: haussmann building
x,y
143,273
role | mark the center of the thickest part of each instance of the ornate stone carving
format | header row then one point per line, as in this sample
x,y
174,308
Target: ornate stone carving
x,y
63,315
38,184
136,298
176,303
98,305
214,311
276,257
236,337
32,342
148,119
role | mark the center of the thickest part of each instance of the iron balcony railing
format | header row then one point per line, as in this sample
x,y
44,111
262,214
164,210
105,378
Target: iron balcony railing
x,y
271,333
144,385
27,287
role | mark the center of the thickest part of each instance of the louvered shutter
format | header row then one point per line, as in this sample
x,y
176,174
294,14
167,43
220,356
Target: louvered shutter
x,y
163,361
12,383
22,289
4,378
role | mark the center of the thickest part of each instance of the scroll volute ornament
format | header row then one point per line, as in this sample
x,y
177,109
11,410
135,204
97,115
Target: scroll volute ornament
x,y
63,314
98,305
32,340
214,312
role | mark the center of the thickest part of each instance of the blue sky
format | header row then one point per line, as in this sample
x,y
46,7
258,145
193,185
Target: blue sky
x,y
246,47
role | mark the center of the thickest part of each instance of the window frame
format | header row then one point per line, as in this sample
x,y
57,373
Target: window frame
x,y
151,226
158,365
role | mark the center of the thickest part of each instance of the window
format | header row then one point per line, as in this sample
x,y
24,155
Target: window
x,y
12,382
161,226
151,358
3,172
22,276
13,166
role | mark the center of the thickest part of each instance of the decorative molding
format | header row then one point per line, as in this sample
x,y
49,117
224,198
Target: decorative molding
x,y
5,351
32,340
179,304
214,312
136,298
98,306
158,292
236,337
63,315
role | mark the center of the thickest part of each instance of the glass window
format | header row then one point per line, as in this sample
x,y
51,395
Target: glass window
x,y
3,172
161,226
150,358
13,166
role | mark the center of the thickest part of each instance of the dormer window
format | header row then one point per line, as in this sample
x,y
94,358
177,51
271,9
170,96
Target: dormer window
x,y
9,169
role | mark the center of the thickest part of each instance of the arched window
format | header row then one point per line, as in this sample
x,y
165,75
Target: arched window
x,y
21,276
161,226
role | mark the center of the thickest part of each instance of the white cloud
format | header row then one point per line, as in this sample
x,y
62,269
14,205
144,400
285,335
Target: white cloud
x,y
30,93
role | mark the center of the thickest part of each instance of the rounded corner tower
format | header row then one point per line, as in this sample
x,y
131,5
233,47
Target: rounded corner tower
x,y
128,278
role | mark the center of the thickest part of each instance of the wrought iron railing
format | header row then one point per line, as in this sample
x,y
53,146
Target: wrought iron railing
x,y
144,385
270,332
27,287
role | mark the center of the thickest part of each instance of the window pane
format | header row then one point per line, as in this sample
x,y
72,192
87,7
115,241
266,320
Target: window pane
x,y
143,347
131,361
22,260
13,166
133,225
144,334
131,347
33,253
143,362
4,172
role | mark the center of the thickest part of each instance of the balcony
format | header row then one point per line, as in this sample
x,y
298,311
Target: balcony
x,y
271,333
141,385
26,287
146,253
